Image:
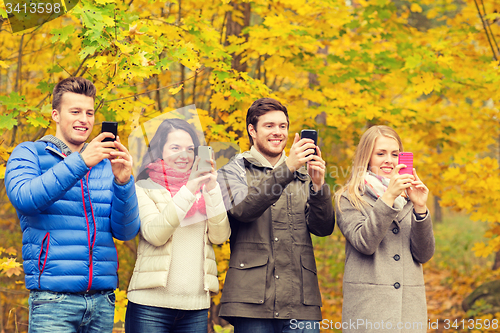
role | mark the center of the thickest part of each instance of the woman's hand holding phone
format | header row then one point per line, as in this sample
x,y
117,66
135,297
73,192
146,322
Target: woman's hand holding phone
x,y
418,194
417,191
198,178
397,185
212,181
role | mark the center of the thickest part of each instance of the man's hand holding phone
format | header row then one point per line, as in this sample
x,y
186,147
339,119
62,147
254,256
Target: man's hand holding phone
x,y
97,149
121,162
316,168
299,153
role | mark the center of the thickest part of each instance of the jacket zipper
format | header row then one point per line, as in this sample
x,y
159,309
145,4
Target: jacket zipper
x,y
117,267
90,242
40,271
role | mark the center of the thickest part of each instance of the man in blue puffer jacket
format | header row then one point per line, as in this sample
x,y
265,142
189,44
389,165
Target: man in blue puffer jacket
x,y
72,198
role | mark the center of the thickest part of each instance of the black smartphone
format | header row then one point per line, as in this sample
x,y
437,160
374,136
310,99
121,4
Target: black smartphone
x,y
111,127
205,153
310,134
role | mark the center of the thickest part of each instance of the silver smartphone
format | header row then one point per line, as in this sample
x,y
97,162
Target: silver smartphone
x,y
205,153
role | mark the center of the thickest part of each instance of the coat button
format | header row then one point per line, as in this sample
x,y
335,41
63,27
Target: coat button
x,y
268,171
277,277
395,231
242,265
277,314
397,257
397,285
261,301
275,239
274,204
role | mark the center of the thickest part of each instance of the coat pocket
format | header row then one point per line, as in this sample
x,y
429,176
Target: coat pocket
x,y
310,288
246,279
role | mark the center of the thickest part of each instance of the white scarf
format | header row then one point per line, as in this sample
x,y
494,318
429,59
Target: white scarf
x,y
376,185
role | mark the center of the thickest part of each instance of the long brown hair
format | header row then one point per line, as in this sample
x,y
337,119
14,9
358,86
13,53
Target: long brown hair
x,y
364,151
155,149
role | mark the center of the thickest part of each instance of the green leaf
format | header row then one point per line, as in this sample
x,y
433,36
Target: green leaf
x,y
7,121
37,121
236,94
46,87
46,109
55,69
222,76
413,61
14,100
88,50
62,34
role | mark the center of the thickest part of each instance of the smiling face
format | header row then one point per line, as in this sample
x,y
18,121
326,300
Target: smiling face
x,y
270,135
178,151
74,120
384,156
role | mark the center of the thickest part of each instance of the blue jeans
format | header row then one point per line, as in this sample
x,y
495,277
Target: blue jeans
x,y
53,312
152,319
257,325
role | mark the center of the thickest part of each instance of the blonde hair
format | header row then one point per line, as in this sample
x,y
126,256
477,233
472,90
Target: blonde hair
x,y
355,183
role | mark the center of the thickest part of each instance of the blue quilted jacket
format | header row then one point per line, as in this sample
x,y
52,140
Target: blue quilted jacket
x,y
69,215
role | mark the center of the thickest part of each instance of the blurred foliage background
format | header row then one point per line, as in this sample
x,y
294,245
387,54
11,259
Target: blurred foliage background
x,y
430,69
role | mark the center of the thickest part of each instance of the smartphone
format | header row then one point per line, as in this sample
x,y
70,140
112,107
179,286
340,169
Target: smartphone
x,y
310,134
111,127
406,158
205,153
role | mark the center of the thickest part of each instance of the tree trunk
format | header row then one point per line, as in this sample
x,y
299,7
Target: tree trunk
x,y
233,28
438,212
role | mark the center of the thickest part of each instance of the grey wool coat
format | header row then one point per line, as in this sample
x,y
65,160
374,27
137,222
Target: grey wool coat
x,y
383,279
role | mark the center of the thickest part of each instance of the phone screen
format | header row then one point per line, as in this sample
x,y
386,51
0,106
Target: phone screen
x,y
111,127
310,134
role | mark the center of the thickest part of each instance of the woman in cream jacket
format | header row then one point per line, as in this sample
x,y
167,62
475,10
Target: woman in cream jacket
x,y
182,215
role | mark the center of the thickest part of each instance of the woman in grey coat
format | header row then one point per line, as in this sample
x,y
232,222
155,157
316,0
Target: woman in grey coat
x,y
384,217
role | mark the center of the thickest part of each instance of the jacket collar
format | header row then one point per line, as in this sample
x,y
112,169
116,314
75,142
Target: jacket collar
x,y
263,161
59,144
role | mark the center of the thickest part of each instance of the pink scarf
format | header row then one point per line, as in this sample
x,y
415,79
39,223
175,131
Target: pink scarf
x,y
173,180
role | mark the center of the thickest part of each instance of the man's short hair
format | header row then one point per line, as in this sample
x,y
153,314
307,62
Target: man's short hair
x,y
77,85
261,107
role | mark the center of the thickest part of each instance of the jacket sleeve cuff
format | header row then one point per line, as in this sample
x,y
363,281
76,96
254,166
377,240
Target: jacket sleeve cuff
x,y
183,201
120,183
419,218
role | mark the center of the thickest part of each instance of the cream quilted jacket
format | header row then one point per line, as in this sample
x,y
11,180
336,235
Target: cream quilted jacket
x,y
160,215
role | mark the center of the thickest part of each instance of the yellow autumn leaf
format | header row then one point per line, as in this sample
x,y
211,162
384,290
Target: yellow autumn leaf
x,y
124,48
416,8
481,250
425,83
98,61
10,267
3,167
120,305
175,90
3,64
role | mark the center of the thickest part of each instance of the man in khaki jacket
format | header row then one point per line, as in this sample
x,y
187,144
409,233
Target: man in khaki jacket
x,y
273,205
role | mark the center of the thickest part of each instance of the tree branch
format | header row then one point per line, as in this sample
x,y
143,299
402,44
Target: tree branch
x,y
486,30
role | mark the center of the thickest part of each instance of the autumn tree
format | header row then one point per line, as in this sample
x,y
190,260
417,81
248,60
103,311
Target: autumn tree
x,y
427,69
